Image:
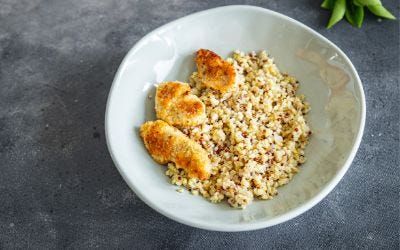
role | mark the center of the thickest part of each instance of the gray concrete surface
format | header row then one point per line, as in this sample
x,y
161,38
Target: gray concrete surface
x,y
58,185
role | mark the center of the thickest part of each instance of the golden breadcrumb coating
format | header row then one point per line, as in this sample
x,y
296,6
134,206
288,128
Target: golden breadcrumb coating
x,y
177,106
168,144
214,72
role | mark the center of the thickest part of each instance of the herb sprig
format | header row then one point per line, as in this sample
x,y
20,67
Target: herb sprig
x,y
353,11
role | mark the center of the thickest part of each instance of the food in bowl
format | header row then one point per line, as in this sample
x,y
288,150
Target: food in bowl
x,y
254,132
177,106
166,144
214,72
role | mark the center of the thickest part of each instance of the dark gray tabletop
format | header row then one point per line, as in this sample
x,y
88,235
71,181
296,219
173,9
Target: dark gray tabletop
x,y
58,185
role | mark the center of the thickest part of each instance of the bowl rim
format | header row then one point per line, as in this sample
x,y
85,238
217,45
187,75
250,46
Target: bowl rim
x,y
255,224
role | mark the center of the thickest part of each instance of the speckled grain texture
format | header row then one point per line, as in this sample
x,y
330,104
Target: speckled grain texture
x,y
58,185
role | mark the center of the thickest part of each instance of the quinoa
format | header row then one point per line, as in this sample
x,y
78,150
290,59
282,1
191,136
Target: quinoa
x,y
255,133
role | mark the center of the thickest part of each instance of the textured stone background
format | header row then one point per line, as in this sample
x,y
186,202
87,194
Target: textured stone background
x,y
58,185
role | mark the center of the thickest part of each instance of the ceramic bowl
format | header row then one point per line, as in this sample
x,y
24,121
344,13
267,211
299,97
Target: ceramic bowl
x,y
327,79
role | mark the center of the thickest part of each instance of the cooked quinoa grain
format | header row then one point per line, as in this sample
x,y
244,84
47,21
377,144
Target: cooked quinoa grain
x,y
255,133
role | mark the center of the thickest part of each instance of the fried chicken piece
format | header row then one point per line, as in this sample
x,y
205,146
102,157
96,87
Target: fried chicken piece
x,y
177,106
214,72
166,143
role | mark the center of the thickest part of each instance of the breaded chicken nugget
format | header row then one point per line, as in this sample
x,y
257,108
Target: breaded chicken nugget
x,y
214,72
177,106
168,144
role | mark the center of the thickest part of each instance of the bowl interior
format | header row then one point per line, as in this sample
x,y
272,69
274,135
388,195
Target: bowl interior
x,y
327,79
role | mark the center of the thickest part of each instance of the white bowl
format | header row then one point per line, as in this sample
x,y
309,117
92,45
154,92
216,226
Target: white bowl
x,y
327,79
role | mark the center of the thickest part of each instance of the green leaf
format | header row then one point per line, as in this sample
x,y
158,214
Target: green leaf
x,y
338,12
354,14
379,10
367,2
328,4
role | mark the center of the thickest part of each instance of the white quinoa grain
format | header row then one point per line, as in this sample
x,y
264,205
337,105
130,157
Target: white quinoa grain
x,y
255,134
